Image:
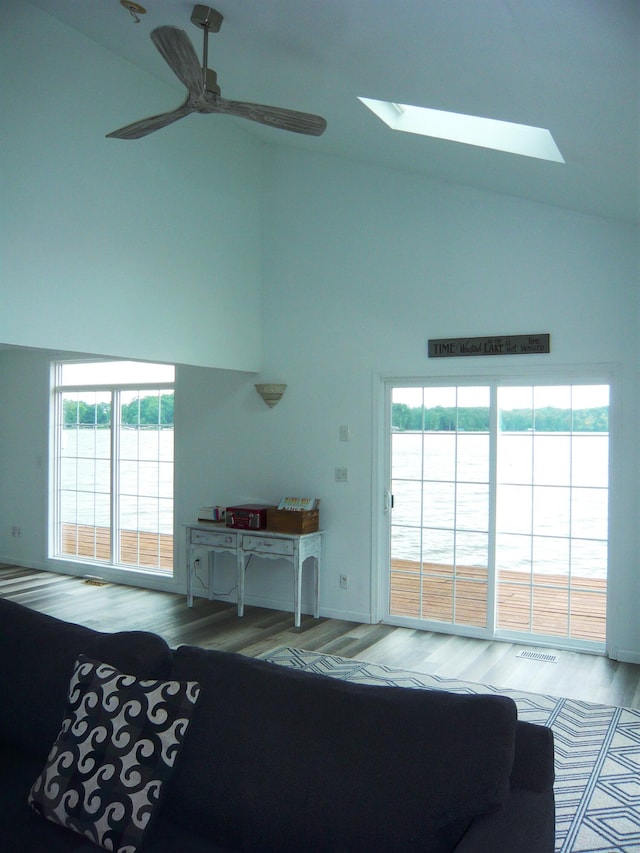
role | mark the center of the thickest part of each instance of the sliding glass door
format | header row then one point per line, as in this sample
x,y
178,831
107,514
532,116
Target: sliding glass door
x,y
498,517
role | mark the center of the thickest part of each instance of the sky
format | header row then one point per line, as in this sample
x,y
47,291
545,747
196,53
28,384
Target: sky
x,y
516,397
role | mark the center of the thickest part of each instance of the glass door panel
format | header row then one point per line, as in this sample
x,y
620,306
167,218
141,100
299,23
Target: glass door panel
x,y
439,531
552,497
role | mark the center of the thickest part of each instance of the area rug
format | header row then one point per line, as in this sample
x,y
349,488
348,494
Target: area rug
x,y
597,750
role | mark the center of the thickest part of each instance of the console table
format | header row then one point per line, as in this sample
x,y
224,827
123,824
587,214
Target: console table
x,y
216,538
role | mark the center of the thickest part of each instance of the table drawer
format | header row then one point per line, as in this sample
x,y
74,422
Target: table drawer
x,y
271,545
214,539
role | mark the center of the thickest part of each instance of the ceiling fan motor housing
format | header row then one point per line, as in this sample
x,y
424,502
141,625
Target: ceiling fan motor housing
x,y
211,82
206,18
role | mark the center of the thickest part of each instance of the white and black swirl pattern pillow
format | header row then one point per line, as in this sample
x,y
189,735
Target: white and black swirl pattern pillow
x,y
118,745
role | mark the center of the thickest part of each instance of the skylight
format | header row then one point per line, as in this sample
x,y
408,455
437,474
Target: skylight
x,y
471,130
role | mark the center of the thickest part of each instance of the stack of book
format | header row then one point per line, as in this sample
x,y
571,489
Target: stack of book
x,y
299,504
211,513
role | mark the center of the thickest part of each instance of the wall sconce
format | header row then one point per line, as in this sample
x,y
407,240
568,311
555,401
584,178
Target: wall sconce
x,y
271,394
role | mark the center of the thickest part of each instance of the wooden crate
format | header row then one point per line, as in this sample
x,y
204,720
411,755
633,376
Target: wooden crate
x,y
293,520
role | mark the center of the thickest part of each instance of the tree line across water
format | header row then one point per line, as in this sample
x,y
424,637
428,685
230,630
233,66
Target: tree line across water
x,y
154,410
157,410
476,419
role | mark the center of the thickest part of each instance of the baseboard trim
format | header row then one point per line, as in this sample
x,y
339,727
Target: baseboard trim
x,y
32,564
627,656
306,608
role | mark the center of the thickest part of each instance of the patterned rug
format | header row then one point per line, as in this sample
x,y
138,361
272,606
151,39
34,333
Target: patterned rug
x,y
597,750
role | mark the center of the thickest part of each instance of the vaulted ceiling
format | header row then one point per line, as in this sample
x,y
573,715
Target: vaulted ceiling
x,y
571,66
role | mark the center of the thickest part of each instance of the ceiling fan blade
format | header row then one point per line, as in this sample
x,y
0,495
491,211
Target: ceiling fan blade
x,y
147,125
293,120
177,51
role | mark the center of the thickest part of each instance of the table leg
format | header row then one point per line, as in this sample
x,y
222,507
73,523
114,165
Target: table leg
x,y
242,566
211,563
297,591
189,576
316,608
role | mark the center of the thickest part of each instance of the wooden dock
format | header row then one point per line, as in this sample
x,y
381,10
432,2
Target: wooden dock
x,y
534,603
538,603
137,548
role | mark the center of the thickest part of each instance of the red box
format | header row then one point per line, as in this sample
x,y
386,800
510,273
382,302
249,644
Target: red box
x,y
247,516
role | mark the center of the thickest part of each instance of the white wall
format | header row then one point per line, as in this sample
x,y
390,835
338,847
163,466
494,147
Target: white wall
x,y
24,453
147,248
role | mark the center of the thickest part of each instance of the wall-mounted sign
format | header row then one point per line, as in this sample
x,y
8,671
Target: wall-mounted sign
x,y
499,345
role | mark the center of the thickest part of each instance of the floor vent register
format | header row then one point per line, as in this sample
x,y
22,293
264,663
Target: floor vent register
x,y
542,656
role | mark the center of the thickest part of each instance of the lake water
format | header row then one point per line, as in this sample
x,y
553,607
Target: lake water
x,y
145,476
551,508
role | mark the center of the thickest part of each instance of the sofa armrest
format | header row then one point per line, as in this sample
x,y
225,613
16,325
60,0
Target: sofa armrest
x,y
533,766
525,823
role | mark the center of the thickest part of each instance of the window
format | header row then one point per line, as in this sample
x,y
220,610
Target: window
x,y
113,464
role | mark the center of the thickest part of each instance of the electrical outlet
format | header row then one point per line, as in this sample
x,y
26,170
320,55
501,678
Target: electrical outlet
x,y
344,433
342,475
344,581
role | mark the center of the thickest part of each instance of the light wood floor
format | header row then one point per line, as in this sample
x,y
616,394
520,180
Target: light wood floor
x,y
214,624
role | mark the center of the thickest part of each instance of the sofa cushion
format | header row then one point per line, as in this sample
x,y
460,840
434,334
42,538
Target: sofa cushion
x,y
34,676
118,745
282,760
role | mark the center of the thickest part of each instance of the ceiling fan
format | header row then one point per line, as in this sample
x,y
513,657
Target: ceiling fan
x,y
203,92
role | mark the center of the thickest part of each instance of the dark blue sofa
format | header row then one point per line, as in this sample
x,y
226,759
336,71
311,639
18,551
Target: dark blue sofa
x,y
280,760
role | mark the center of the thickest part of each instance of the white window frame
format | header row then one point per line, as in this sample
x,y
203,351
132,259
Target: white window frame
x,y
112,569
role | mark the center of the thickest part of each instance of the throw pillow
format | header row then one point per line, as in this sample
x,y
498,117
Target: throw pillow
x,y
117,748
